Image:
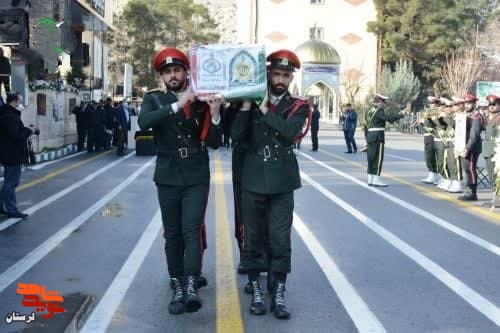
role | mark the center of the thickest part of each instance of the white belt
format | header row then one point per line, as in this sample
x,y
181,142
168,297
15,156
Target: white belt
x,y
437,140
428,134
376,129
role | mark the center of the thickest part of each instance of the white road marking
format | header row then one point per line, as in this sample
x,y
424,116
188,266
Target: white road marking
x,y
103,314
22,266
481,304
358,310
43,165
432,218
400,158
7,223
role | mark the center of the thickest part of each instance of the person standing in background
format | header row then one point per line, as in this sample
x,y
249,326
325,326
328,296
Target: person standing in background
x,y
5,72
349,127
315,127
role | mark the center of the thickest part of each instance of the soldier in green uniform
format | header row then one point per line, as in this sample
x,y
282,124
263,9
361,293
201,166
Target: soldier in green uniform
x,y
270,176
453,163
183,126
439,145
375,120
429,150
492,133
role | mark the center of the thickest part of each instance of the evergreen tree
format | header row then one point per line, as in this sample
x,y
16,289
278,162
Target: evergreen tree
x,y
401,86
147,25
424,31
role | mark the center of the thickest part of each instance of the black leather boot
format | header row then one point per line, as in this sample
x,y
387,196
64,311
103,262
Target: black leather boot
x,y
468,197
257,307
193,302
278,302
177,304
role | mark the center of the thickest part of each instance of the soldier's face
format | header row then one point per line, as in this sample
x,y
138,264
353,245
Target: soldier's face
x,y
494,108
469,106
174,77
280,80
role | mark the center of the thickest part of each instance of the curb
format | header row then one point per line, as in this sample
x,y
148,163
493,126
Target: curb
x,y
52,155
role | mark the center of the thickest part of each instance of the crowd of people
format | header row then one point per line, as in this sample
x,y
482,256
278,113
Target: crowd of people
x,y
446,165
100,126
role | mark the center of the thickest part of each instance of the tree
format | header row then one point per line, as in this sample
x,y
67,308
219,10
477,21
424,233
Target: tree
x,y
461,70
352,80
424,31
401,86
146,25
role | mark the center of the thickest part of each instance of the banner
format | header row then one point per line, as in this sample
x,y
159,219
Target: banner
x,y
483,89
460,133
314,73
233,71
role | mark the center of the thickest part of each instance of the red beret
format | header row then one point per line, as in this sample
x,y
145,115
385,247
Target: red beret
x,y
470,98
169,56
284,59
492,98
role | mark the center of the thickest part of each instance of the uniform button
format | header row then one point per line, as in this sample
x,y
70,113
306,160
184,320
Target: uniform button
x,y
275,158
275,146
265,160
180,123
276,133
178,136
189,135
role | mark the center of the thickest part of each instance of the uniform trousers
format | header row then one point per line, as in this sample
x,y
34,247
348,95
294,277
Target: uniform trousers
x,y
469,164
453,164
440,166
268,215
238,207
183,213
375,155
430,153
490,167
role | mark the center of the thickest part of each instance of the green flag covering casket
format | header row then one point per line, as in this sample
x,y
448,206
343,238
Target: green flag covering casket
x,y
234,71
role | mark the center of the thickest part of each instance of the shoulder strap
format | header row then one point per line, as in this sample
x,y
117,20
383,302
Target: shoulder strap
x,y
297,104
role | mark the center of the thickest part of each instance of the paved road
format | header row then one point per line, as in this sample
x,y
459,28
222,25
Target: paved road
x,y
406,258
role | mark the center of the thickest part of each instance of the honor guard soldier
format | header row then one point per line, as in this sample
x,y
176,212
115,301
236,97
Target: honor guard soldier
x,y
439,141
375,120
183,126
452,162
473,146
429,135
270,176
491,134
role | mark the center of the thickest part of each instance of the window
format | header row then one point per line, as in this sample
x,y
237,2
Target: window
x,y
317,2
316,33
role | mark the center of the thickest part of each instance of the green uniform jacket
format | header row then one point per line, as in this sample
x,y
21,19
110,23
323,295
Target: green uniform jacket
x,y
238,157
450,129
173,130
441,127
491,134
377,118
273,169
429,126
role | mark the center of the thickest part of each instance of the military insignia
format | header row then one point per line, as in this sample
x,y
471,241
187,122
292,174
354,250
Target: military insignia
x,y
211,65
242,69
169,60
284,62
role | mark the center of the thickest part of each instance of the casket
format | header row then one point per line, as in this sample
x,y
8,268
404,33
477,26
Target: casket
x,y
236,72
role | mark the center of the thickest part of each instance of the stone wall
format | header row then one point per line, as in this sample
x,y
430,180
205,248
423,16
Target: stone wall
x,y
57,126
224,14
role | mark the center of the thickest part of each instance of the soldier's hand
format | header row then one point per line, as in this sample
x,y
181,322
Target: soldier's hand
x,y
263,106
214,101
247,105
187,97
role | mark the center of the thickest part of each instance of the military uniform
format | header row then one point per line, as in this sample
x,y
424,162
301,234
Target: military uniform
x,y
475,122
491,134
182,177
270,175
429,149
375,119
453,164
439,142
